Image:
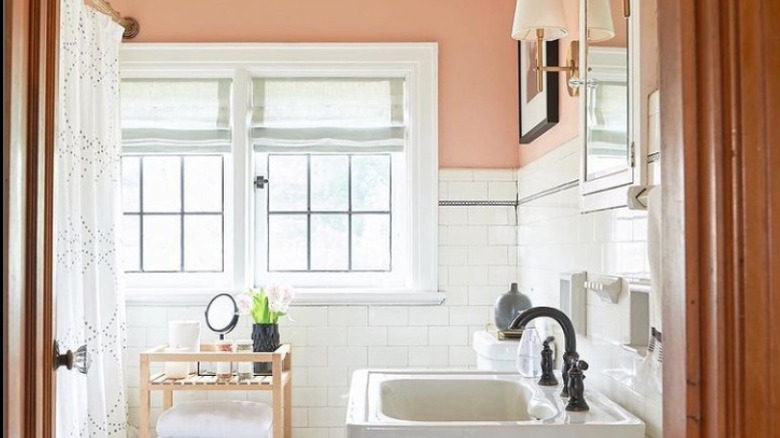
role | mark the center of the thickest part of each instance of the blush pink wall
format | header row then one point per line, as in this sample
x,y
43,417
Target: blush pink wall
x,y
568,126
478,115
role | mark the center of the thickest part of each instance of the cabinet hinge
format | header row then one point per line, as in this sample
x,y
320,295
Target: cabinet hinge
x,y
260,182
632,154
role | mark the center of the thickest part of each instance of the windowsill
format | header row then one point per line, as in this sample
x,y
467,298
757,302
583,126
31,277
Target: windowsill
x,y
303,297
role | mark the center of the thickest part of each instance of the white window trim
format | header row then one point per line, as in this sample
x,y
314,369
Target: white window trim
x,y
416,61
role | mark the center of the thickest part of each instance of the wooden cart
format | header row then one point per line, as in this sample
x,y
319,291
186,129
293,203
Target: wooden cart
x,y
279,382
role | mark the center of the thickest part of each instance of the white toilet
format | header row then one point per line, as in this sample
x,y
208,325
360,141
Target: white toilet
x,y
495,355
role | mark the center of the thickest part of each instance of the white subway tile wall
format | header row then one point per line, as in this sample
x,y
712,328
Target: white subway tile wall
x,y
479,256
553,238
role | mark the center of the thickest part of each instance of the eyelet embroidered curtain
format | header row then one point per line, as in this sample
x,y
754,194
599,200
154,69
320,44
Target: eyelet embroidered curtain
x,y
90,305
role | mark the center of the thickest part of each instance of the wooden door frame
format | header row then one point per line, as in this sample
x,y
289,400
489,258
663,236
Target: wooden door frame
x,y
30,45
720,108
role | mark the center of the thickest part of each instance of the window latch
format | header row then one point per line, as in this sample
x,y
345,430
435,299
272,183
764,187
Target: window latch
x,y
260,182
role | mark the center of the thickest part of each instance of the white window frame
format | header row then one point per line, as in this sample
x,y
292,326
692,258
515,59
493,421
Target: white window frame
x,y
417,62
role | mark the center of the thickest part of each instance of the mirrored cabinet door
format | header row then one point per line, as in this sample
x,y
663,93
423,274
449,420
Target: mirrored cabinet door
x,y
607,106
606,96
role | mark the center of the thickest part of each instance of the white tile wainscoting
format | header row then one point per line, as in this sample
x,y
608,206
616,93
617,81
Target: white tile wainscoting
x,y
479,257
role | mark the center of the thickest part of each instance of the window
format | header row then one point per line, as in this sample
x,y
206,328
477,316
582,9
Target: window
x,y
329,213
173,213
311,164
176,136
327,147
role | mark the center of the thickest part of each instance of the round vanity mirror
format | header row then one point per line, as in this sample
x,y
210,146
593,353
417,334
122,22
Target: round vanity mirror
x,y
222,314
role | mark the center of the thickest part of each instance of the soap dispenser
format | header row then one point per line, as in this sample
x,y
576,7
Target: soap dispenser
x,y
509,305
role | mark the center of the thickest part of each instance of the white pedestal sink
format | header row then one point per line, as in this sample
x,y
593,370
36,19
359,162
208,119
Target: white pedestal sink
x,y
474,404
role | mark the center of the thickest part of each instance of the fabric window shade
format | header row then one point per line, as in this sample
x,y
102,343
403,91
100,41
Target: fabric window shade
x,y
176,115
328,114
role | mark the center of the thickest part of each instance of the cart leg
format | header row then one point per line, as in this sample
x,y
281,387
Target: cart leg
x,y
145,405
167,399
278,392
288,410
288,397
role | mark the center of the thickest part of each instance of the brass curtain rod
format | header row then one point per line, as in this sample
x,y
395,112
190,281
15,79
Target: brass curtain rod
x,y
129,23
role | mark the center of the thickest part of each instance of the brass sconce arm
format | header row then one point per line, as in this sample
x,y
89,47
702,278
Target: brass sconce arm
x,y
571,68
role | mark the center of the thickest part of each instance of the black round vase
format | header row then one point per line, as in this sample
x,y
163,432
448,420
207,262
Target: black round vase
x,y
265,339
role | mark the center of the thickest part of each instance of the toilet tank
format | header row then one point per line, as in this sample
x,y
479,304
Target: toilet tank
x,y
494,355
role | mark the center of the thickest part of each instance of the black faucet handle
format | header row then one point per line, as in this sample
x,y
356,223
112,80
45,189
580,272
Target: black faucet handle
x,y
577,402
547,378
579,366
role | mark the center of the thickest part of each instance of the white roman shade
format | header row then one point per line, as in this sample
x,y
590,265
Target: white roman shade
x,y
176,115
328,114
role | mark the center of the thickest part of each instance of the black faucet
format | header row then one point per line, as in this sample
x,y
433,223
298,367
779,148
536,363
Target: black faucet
x,y
573,367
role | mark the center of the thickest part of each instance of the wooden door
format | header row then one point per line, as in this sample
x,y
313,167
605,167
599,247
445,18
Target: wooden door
x,y
720,124
30,31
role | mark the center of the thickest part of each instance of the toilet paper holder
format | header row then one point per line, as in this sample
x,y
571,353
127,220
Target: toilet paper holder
x,y
607,288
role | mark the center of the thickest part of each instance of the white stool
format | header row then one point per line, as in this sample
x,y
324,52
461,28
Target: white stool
x,y
216,419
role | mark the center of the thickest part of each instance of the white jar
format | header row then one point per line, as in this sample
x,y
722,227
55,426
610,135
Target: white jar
x,y
177,370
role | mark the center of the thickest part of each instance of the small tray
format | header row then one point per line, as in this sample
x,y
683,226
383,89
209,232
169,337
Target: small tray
x,y
509,334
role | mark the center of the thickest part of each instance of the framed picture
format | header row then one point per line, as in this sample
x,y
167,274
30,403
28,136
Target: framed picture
x,y
538,109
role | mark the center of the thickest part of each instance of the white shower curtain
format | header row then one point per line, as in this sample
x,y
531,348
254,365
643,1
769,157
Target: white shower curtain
x,y
90,305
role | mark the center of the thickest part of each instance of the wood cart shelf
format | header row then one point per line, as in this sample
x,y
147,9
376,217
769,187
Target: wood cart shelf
x,y
279,382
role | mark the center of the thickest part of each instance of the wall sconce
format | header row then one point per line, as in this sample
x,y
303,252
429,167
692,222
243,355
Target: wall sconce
x,y
542,21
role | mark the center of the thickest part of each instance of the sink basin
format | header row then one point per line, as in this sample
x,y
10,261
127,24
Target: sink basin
x,y
449,399
473,404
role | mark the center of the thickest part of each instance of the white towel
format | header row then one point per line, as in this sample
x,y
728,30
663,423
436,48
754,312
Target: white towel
x,y
216,419
649,371
654,251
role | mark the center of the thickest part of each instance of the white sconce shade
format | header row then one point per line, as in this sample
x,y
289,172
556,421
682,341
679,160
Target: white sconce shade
x,y
599,19
533,15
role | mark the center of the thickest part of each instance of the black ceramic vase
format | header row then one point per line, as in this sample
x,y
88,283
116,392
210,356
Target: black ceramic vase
x,y
265,339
